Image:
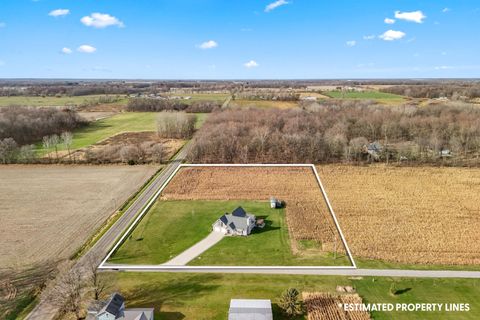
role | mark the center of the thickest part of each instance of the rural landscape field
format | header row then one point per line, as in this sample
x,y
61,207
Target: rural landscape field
x,y
274,159
432,213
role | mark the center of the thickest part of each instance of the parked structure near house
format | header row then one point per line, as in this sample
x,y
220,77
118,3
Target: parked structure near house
x,y
275,203
114,309
249,309
238,223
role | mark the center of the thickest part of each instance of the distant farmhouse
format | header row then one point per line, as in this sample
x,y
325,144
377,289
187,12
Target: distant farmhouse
x,y
114,309
238,223
247,309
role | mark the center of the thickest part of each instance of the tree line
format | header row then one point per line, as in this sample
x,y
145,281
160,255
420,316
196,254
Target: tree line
x,y
28,125
341,131
156,105
452,91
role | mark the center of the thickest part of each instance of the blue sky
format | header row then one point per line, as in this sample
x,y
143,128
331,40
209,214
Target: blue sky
x,y
234,39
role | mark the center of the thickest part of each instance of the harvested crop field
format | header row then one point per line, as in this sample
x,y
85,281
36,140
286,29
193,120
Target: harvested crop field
x,y
326,306
307,215
109,149
264,104
48,212
419,215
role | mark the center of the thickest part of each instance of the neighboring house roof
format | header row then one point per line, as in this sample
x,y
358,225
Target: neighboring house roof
x,y
138,314
246,309
114,305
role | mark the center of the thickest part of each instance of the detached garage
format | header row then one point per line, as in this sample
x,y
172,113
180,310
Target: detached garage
x,y
248,309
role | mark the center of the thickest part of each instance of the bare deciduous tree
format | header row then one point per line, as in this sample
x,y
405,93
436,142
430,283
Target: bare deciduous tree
x,y
67,139
66,292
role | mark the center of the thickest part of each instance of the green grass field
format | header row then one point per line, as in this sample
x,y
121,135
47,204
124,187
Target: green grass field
x,y
50,101
104,128
374,95
207,296
173,226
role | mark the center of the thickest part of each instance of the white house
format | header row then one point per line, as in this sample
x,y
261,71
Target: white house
x,y
249,309
114,309
238,223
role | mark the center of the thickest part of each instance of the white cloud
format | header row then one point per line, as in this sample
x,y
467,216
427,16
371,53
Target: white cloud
x,y
85,48
210,44
443,67
251,64
413,16
66,50
3,24
101,20
445,10
369,37
389,21
391,35
275,5
59,12
351,43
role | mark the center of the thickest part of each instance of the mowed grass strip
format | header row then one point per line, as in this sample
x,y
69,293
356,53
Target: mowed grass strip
x,y
174,226
207,296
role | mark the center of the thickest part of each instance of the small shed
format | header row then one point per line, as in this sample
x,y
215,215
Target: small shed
x,y
250,309
275,203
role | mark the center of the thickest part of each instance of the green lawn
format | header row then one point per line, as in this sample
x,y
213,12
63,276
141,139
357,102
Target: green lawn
x,y
201,117
50,101
173,226
207,296
361,95
104,128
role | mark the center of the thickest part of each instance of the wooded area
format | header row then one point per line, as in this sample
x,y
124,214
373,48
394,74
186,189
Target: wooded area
x,y
349,131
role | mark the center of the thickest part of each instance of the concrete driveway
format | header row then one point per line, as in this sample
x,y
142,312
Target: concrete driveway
x,y
194,251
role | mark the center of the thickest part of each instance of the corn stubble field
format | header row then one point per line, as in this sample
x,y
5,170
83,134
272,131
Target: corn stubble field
x,y
307,215
326,306
416,215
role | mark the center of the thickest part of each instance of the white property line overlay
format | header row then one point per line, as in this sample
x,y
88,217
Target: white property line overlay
x,y
104,266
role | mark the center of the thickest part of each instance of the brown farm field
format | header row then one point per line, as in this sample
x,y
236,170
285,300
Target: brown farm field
x,y
408,215
310,225
48,212
263,104
326,306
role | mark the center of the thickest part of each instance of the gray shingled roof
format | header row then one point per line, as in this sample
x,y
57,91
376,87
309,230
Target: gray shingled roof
x,y
113,305
238,220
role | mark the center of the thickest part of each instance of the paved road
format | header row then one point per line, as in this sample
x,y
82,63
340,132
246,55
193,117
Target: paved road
x,y
194,251
45,310
349,272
